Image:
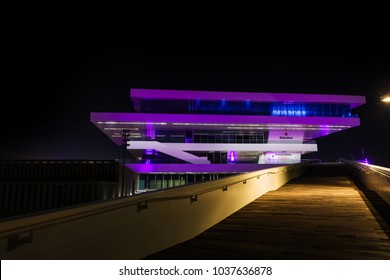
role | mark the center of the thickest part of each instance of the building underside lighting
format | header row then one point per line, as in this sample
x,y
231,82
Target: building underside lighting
x,y
192,132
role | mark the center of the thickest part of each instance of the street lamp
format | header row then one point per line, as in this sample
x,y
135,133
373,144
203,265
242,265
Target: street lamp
x,y
373,107
385,98
126,136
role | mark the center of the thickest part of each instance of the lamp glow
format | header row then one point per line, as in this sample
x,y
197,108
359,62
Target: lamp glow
x,y
232,155
385,98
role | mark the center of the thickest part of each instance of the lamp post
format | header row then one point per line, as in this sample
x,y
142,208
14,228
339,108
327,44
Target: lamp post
x,y
373,107
125,137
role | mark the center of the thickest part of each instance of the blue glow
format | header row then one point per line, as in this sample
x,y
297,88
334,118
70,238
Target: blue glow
x,y
223,102
288,110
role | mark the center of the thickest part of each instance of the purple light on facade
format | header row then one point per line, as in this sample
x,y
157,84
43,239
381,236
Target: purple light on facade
x,y
197,168
324,130
221,119
149,152
232,155
147,161
107,121
138,94
150,133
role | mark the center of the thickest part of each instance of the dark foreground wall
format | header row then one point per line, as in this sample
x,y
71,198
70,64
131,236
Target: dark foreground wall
x,y
28,186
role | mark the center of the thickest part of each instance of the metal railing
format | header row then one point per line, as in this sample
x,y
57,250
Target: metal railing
x,y
369,168
375,178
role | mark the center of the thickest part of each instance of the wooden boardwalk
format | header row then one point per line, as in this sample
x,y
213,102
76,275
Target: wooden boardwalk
x,y
321,215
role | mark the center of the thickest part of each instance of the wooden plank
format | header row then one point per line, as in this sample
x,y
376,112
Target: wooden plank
x,y
321,215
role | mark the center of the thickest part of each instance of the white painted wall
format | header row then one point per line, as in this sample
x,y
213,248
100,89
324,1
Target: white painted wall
x,y
290,147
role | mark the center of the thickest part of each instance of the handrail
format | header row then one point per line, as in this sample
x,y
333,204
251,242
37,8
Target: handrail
x,y
364,167
215,187
378,170
44,220
375,178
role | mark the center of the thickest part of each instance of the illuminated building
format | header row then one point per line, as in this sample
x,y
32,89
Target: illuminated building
x,y
182,137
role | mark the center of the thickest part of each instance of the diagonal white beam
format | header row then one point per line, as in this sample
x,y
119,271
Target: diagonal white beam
x,y
244,147
171,150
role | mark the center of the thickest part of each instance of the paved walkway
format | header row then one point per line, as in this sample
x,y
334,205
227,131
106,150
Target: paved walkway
x,y
321,215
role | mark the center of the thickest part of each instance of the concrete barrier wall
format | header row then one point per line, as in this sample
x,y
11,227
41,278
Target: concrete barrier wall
x,y
376,178
135,227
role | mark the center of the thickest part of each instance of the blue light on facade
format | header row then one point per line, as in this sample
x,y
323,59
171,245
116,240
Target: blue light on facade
x,y
288,110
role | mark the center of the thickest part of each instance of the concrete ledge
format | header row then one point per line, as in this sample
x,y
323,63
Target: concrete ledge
x,y
134,227
375,178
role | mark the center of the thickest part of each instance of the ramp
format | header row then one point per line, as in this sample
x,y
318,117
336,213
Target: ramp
x,y
320,215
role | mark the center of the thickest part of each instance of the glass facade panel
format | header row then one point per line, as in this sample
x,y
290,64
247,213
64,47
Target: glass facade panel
x,y
190,178
198,178
228,137
158,181
225,107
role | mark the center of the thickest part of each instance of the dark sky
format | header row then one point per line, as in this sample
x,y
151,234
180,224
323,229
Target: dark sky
x,y
52,86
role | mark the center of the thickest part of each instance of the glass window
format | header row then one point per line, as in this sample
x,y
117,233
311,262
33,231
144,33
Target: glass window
x,y
159,181
182,179
176,180
190,178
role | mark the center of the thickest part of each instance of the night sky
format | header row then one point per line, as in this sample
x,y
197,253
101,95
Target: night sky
x,y
51,87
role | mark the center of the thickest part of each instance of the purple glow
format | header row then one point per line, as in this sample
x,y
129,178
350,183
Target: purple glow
x,y
197,168
219,119
139,94
149,152
232,155
147,161
150,131
325,130
311,125
364,161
